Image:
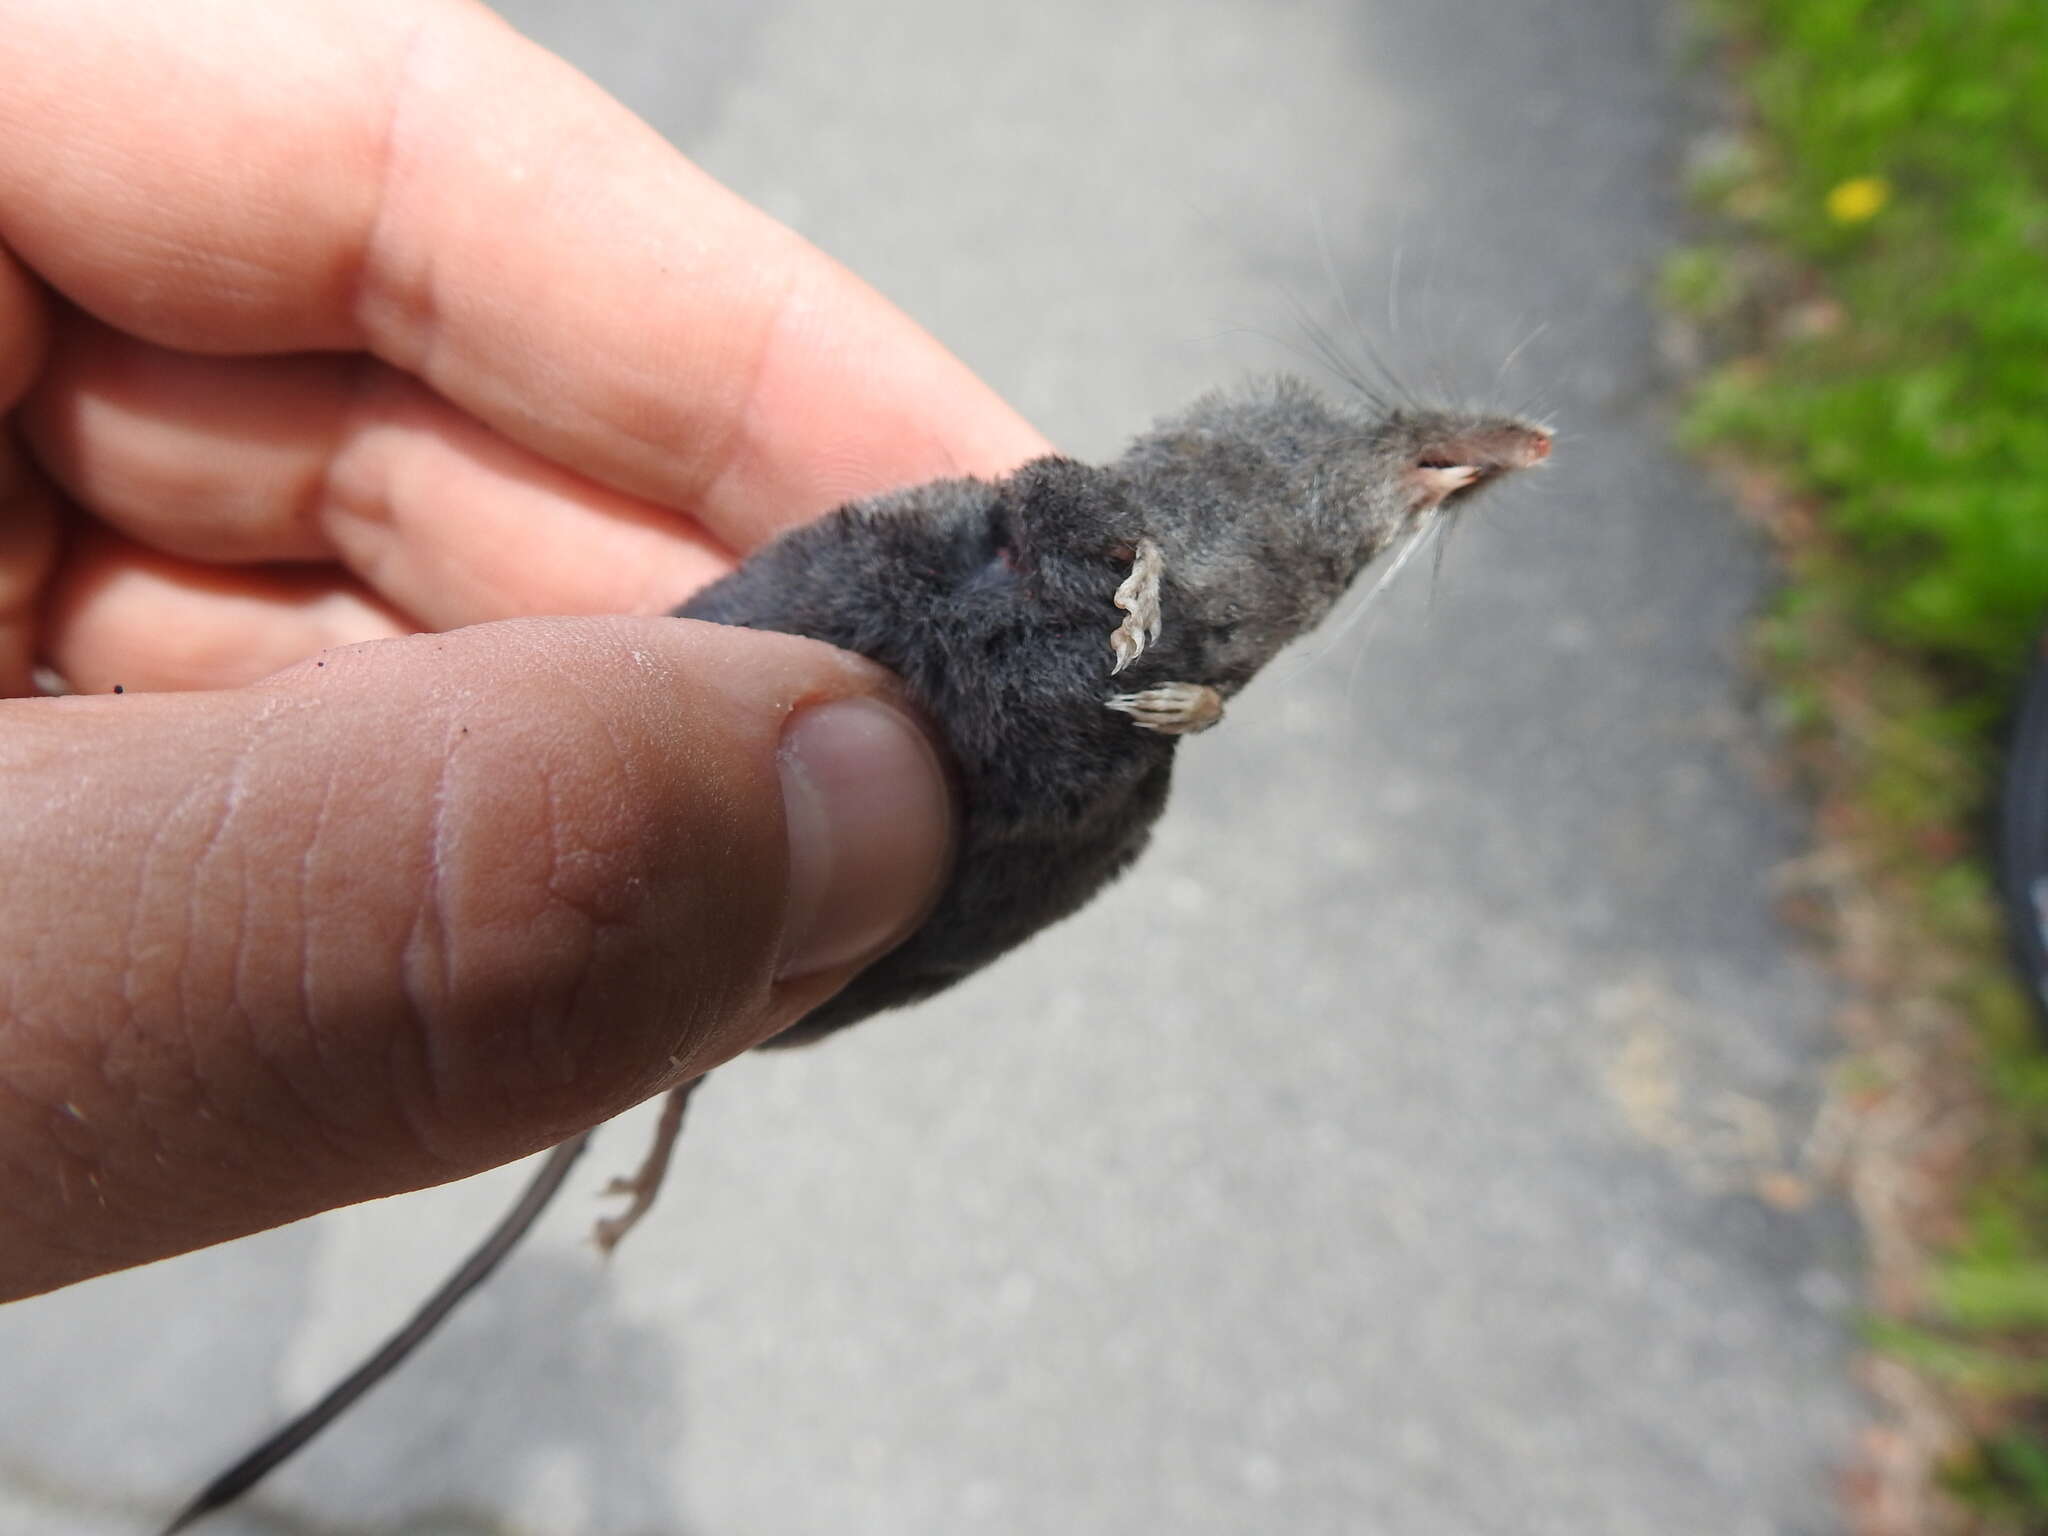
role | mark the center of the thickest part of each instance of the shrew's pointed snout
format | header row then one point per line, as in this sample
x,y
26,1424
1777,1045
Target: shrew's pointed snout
x,y
1461,459
1508,446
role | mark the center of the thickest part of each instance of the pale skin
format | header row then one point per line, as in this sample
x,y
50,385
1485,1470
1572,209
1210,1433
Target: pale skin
x,y
338,322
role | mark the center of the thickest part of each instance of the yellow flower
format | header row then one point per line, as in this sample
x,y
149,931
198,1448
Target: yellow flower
x,y
1857,199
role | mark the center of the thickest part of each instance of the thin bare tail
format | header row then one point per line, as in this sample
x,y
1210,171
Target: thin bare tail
x,y
252,1468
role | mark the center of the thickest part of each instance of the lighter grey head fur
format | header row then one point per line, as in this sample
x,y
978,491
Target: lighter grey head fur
x,y
1268,501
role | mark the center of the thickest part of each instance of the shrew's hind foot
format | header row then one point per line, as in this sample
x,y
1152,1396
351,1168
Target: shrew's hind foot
x,y
645,1183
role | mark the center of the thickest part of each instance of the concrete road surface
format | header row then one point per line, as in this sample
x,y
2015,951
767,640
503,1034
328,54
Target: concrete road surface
x,y
1422,1187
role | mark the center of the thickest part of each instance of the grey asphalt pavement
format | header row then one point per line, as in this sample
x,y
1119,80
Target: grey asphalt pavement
x,y
1413,1145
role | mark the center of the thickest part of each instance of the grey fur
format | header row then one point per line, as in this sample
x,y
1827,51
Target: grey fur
x,y
994,602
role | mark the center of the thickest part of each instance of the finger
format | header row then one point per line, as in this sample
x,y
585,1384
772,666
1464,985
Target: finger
x,y
28,552
334,457
420,907
416,180
24,330
121,614
28,521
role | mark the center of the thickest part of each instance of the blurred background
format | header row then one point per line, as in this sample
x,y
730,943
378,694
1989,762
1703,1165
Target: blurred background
x,y
1463,1172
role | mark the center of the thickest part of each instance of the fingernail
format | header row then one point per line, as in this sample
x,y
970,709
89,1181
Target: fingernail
x,y
870,822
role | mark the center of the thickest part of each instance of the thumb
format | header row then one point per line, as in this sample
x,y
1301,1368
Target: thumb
x,y
419,907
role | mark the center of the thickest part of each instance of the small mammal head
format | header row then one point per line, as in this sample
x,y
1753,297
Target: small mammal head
x,y
1268,503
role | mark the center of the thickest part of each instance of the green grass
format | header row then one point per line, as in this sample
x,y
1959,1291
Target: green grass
x,y
1924,419
1879,285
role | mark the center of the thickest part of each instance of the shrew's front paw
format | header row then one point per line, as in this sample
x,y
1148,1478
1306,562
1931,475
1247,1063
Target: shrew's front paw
x,y
1172,709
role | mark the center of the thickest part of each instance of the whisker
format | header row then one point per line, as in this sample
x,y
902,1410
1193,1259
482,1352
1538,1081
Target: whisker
x,y
1500,375
1371,353
1426,527
1425,535
1350,610
1394,292
1333,358
1320,355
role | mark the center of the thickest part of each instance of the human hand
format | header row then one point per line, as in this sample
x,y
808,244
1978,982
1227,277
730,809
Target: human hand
x,y
335,322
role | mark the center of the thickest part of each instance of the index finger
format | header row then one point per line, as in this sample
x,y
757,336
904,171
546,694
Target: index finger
x,y
413,179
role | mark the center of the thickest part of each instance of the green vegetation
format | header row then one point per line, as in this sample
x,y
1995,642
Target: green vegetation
x,y
1904,156
1878,287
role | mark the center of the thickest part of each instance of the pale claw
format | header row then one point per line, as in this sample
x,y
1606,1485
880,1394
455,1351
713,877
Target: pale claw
x,y
1172,709
1139,599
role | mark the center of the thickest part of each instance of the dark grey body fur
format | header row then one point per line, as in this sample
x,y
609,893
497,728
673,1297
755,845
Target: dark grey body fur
x,y
992,601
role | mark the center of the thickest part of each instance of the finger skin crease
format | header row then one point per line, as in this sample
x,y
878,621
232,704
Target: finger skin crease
x,y
296,1055
224,944
328,491
306,901
393,301
598,882
721,472
114,1074
226,1008
164,866
24,343
28,556
391,306
427,980
555,1023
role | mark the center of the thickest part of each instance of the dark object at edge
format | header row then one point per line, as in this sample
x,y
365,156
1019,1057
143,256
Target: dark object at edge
x,y
2023,835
